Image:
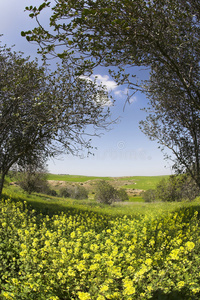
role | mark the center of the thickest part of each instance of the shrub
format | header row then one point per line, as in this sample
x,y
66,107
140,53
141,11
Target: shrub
x,y
65,192
106,193
149,195
75,192
122,195
34,182
51,192
79,192
175,188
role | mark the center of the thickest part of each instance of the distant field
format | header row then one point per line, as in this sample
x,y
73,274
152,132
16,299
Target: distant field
x,y
144,182
135,182
74,178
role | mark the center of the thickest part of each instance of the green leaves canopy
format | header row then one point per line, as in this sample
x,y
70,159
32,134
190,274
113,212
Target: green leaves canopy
x,y
120,33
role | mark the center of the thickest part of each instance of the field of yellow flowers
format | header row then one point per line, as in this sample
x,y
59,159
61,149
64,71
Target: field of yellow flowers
x,y
86,255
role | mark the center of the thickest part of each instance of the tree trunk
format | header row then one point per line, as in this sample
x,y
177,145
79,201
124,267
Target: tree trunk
x,y
2,182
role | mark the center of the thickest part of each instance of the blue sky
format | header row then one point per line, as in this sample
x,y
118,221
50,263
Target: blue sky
x,y
123,151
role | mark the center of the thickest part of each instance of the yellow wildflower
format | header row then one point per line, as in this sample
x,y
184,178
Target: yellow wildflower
x,y
84,296
190,246
129,289
180,284
104,288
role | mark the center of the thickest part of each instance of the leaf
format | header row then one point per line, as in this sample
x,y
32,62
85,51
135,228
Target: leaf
x,y
43,5
31,15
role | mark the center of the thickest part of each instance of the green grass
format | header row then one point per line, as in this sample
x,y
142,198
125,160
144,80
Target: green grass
x,y
74,178
139,182
144,182
52,205
136,199
48,204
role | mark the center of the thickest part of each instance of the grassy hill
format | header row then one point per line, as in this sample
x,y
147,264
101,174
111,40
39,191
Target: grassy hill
x,y
136,182
74,178
134,185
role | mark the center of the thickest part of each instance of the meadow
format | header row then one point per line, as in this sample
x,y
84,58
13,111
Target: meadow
x,y
138,182
58,249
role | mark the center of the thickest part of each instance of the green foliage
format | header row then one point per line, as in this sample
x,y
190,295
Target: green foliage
x,y
54,205
175,188
106,193
45,113
33,178
122,195
65,192
149,195
121,258
33,182
79,192
74,192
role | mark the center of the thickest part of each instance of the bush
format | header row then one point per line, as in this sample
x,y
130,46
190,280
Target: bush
x,y
175,188
65,192
76,192
149,195
79,192
34,182
51,192
106,193
122,195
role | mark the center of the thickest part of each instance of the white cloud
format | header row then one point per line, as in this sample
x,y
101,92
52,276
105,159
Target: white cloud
x,y
125,93
105,81
103,100
111,86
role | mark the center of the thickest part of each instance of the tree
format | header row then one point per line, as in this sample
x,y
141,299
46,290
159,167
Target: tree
x,y
120,33
75,192
106,193
174,121
162,36
43,113
175,188
33,178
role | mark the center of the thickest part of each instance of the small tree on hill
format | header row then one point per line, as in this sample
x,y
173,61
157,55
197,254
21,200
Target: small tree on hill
x,y
33,178
106,193
75,192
